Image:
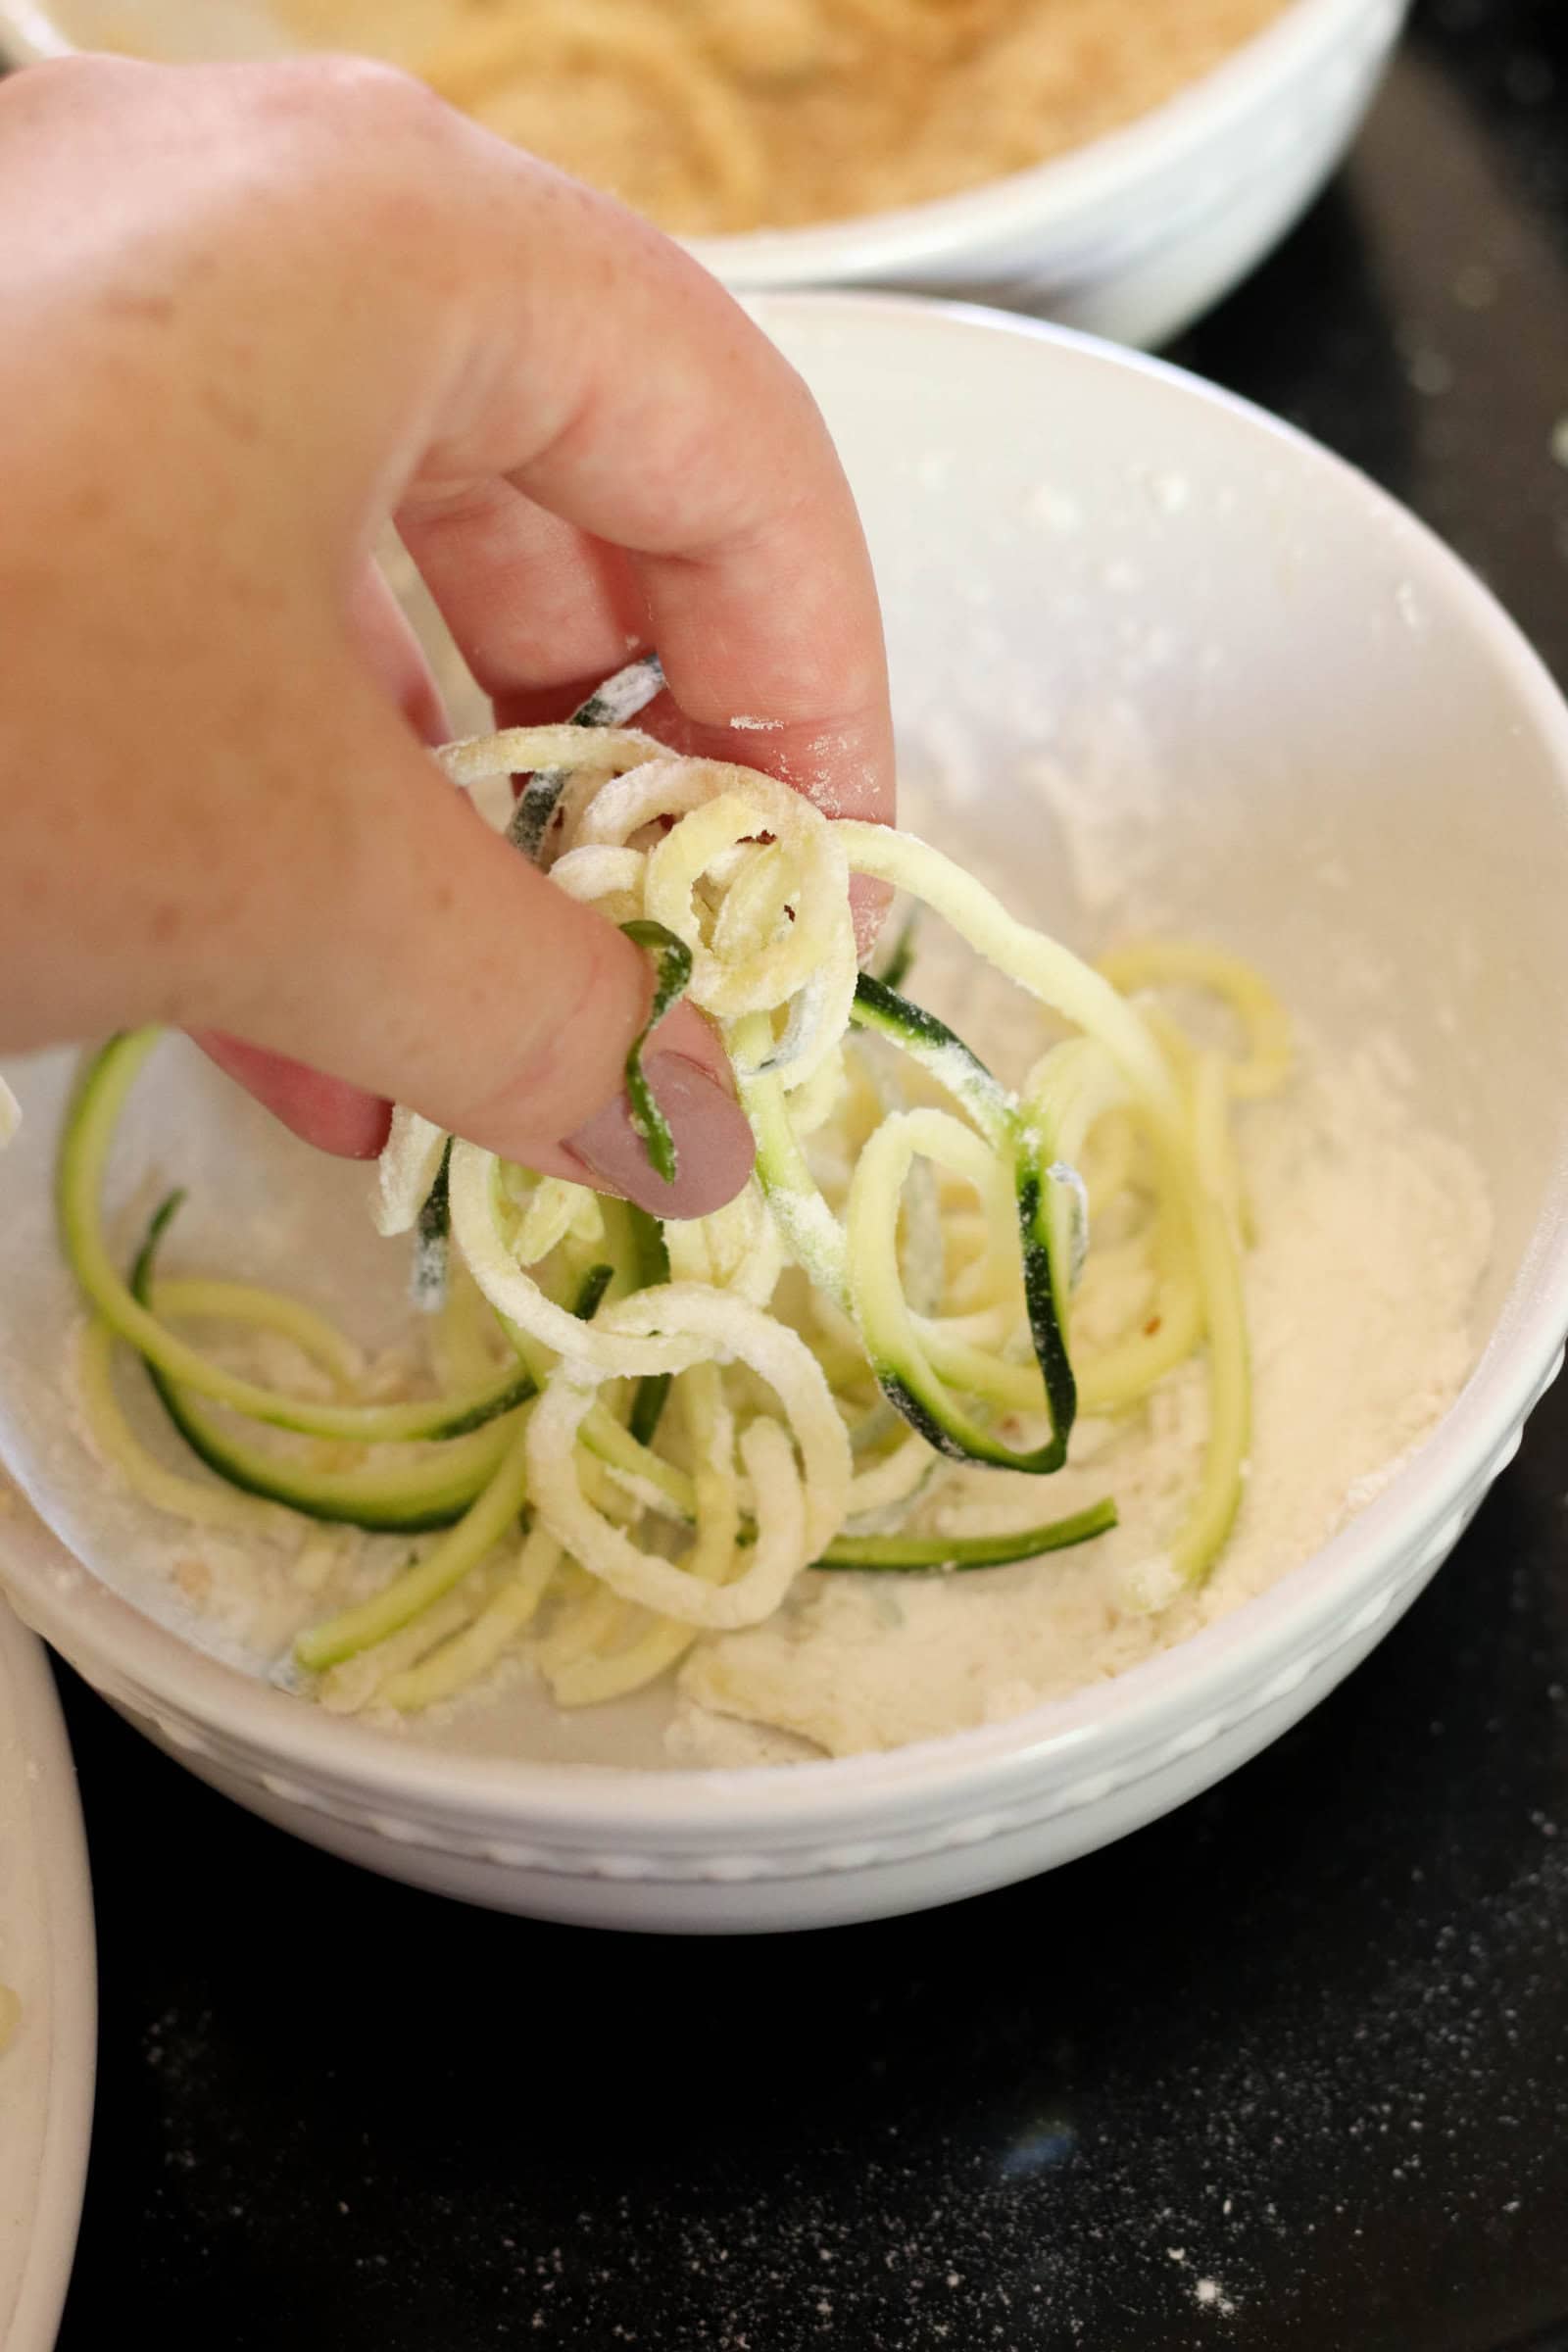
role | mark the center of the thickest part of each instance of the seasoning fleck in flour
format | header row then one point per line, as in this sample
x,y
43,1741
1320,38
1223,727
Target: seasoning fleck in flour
x,y
1371,1235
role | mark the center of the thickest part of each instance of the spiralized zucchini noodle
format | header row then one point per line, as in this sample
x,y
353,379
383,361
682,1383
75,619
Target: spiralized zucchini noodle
x,y
643,1433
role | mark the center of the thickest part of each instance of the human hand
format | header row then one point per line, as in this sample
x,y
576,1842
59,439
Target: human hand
x,y
246,314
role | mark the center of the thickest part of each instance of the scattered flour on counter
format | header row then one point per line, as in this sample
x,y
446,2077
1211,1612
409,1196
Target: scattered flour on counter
x,y
1371,1235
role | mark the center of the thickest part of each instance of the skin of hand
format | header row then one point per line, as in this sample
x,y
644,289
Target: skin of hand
x,y
246,315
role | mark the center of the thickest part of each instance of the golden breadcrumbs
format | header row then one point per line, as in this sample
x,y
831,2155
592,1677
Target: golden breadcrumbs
x,y
728,115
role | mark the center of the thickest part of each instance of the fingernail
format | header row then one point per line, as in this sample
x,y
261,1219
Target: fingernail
x,y
713,1146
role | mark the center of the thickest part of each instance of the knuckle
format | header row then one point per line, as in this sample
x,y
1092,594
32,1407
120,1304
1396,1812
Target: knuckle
x,y
363,90
360,142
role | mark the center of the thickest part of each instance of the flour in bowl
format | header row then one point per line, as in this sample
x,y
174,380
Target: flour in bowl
x,y
796,1532
1371,1237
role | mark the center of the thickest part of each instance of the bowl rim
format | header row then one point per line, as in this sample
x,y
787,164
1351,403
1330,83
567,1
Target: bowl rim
x,y
1058,1739
64,1931
1055,194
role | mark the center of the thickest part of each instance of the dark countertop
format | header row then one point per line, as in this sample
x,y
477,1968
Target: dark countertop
x,y
1289,2069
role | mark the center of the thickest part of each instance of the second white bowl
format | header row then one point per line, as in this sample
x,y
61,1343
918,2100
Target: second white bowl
x,y
1132,237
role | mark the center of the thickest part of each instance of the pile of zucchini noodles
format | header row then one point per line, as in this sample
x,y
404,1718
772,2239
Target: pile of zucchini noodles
x,y
645,1433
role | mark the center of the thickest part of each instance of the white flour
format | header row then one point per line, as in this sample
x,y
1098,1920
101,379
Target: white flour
x,y
1372,1234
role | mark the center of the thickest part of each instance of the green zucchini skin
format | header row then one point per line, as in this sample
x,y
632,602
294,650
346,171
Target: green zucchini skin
x,y
89,1131
595,1282
405,1501
672,969
408,1500
937,1049
954,1433
911,1406
622,696
913,1554
417,1498
613,704
1043,1295
653,1267
335,1498
432,1241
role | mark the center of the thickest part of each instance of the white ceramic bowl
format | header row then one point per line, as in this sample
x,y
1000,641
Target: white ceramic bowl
x,y
1132,237
48,1960
1306,730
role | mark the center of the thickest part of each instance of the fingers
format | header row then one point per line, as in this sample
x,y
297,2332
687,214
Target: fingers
x,y
325,1112
537,608
221,390
338,1118
615,385
531,335
420,959
388,642
606,1152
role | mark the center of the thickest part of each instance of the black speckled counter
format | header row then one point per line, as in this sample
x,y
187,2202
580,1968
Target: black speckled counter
x,y
1290,2069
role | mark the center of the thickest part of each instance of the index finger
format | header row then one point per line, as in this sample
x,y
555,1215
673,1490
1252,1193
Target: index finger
x,y
608,384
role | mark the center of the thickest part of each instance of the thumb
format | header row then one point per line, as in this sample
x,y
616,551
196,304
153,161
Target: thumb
x,y
388,946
